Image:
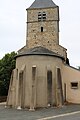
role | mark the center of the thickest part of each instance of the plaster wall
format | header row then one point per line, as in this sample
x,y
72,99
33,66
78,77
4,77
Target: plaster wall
x,y
43,63
69,75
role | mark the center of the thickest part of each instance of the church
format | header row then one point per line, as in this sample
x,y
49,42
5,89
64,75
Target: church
x,y
43,76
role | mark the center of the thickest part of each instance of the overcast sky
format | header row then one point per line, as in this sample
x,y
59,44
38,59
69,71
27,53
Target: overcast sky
x,y
13,26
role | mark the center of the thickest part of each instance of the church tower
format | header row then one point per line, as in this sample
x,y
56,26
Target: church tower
x,y
43,26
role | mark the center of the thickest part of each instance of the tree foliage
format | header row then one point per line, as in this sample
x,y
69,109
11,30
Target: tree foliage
x,y
7,64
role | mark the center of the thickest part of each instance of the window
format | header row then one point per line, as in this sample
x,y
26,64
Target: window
x,y
49,87
44,16
41,29
16,73
41,16
74,85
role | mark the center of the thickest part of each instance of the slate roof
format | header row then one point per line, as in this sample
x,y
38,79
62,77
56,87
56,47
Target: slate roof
x,y
39,51
42,4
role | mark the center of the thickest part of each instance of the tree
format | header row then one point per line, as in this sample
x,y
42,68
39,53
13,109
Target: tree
x,y
7,64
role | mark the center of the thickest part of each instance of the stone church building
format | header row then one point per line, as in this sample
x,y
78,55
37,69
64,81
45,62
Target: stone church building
x,y
43,76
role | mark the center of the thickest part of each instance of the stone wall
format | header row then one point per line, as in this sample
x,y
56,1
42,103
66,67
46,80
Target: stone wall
x,y
50,26
49,38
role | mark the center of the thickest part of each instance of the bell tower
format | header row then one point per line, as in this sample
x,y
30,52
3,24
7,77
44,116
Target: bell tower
x,y
43,24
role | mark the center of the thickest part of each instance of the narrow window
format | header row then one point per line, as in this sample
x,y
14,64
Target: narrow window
x,y
74,85
41,29
39,16
16,73
44,16
49,87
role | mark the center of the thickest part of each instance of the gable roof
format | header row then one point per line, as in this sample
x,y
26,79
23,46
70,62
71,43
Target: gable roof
x,y
42,4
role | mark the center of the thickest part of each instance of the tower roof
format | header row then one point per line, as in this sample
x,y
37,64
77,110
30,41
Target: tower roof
x,y
42,4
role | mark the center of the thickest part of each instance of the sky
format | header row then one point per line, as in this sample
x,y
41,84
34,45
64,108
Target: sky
x,y
13,18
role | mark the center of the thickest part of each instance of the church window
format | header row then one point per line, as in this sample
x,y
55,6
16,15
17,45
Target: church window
x,y
49,87
74,85
41,29
41,16
16,73
44,16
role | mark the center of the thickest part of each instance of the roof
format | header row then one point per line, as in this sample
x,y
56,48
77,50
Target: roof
x,y
42,4
72,67
39,51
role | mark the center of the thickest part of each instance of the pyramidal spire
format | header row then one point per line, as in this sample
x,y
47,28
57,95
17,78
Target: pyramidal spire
x,y
42,4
